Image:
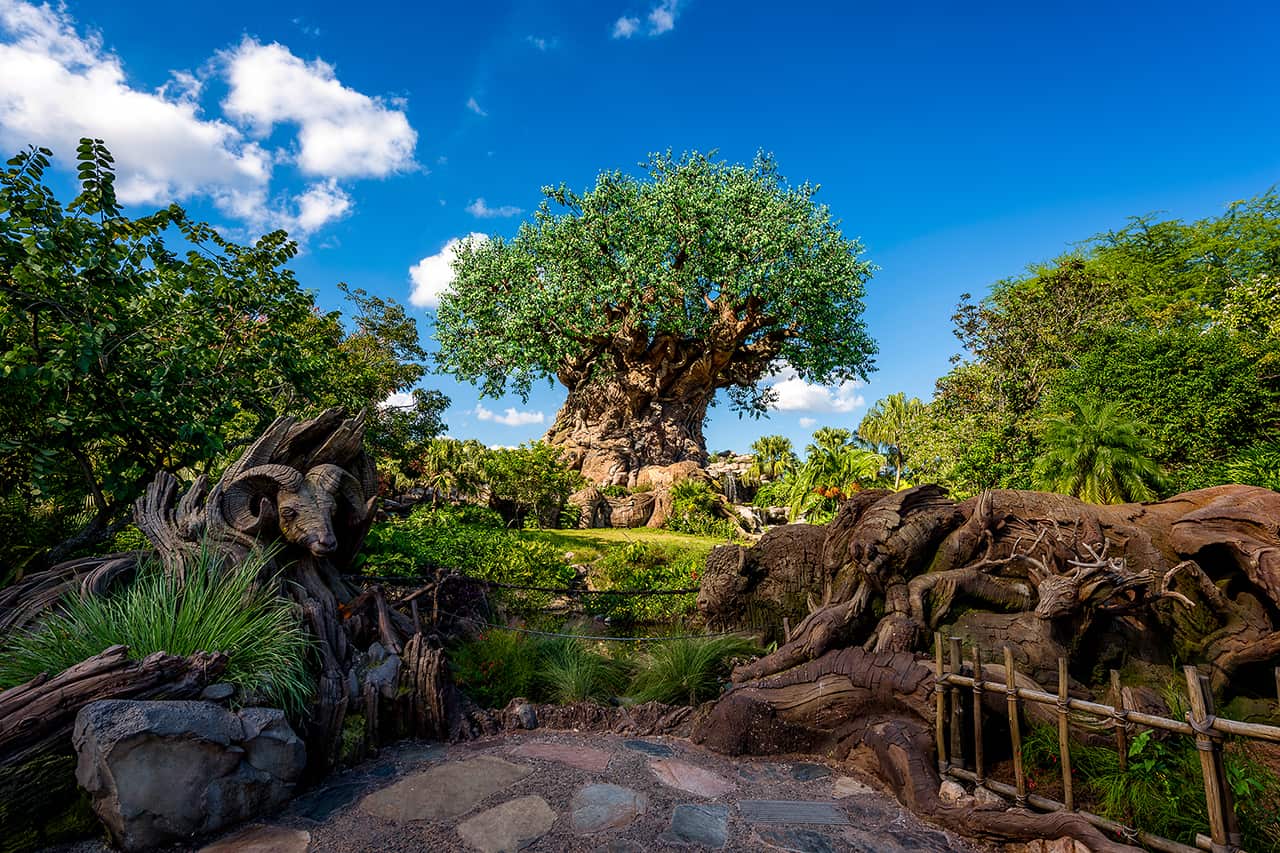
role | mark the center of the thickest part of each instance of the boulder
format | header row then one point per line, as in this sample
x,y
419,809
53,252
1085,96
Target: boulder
x,y
158,772
666,476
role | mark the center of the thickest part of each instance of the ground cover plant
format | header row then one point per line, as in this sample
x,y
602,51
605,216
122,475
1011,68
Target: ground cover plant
x,y
645,566
687,671
216,607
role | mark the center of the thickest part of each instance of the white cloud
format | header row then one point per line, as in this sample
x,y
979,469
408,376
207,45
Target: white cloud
x,y
341,132
793,394
625,27
808,423
661,19
538,42
474,106
433,275
510,417
57,86
484,211
397,400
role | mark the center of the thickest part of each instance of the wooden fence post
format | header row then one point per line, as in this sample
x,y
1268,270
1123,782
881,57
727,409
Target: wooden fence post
x,y
1121,720
940,691
1216,793
1064,735
977,715
957,708
1015,732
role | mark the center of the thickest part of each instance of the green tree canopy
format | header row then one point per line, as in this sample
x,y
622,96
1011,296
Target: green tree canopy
x,y
1094,453
644,296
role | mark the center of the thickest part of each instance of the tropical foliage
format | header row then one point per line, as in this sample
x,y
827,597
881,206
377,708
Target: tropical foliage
x,y
1094,453
888,424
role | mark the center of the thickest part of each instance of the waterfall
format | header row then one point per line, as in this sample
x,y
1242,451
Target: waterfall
x,y
731,487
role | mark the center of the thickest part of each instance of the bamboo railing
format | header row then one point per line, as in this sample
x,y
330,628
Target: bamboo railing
x,y
1201,723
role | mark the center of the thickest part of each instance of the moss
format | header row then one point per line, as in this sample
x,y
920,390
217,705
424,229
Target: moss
x,y
41,805
351,748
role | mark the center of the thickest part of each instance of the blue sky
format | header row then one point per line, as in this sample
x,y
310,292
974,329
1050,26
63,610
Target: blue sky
x,y
960,142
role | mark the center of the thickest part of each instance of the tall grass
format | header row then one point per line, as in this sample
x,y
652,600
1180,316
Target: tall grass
x,y
572,671
687,670
217,608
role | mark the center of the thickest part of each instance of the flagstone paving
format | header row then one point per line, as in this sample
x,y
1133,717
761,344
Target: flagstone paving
x,y
547,791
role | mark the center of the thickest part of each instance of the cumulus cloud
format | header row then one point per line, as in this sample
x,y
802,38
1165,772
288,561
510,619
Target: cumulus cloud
x,y
661,19
397,400
474,106
808,423
58,84
510,417
793,394
341,132
538,42
433,275
484,211
625,27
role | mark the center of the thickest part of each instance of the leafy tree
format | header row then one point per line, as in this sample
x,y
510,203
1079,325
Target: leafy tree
x,y
644,297
1094,453
121,356
834,468
888,423
530,481
773,458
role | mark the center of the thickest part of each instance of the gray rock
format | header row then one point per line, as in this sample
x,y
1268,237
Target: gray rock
x,y
796,840
444,791
220,692
161,771
527,715
694,823
604,806
508,827
385,676
649,748
377,654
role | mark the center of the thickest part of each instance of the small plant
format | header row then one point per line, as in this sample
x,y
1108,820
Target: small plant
x,y
215,608
571,671
641,565
496,667
614,491
694,507
688,671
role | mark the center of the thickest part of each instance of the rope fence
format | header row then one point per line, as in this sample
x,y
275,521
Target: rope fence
x,y
590,637
1201,723
423,581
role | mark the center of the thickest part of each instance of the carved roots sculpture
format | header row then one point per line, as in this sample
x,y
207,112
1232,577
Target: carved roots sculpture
x,y
307,485
1196,576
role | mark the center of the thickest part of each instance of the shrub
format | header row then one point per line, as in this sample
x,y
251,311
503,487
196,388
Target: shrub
x,y
694,507
441,539
774,493
496,667
1160,792
640,565
572,671
688,671
215,608
614,491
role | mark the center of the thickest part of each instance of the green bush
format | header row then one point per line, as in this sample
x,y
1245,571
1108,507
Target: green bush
x,y
641,565
496,667
1161,791
442,539
572,671
774,493
614,491
693,510
501,665
688,671
215,608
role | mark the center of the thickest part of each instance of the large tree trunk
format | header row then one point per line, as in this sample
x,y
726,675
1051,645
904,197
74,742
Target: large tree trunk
x,y
609,430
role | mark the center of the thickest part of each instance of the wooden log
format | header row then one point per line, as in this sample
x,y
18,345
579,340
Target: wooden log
x,y
1064,735
977,714
1121,721
417,618
957,706
940,690
1015,730
1216,794
42,711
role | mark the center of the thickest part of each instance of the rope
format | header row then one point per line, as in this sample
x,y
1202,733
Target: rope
x,y
1208,738
532,632
422,581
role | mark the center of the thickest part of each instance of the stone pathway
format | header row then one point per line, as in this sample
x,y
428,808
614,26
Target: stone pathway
x,y
559,792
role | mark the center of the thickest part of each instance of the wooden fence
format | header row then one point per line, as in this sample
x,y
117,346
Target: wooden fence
x,y
1201,723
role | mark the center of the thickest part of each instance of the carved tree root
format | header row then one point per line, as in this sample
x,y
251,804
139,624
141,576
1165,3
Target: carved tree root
x,y
851,700
38,715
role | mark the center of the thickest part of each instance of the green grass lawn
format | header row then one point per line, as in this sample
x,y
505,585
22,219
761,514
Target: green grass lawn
x,y
587,546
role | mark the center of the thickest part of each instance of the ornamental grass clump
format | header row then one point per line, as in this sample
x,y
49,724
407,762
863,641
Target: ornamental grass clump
x,y
688,670
214,608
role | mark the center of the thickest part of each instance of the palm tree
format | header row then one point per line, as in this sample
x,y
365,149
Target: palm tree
x,y
834,469
888,423
1096,454
774,458
827,440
